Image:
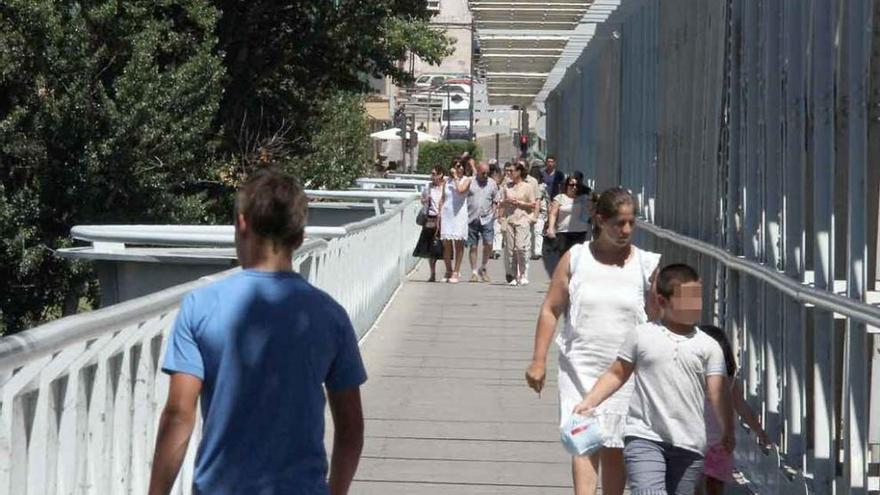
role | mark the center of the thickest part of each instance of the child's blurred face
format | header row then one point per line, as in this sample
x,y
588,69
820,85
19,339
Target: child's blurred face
x,y
685,307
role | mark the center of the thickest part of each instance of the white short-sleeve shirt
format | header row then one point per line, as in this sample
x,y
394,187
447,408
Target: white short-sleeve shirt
x,y
670,384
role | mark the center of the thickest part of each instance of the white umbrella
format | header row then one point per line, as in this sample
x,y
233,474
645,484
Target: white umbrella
x,y
392,133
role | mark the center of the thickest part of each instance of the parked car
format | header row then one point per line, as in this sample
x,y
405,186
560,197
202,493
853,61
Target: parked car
x,y
425,81
436,95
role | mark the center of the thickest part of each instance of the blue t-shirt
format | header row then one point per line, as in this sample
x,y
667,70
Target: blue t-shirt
x,y
554,182
264,344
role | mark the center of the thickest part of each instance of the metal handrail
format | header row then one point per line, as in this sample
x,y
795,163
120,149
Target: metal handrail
x,y
366,223
362,194
223,235
178,235
799,291
393,182
410,176
21,348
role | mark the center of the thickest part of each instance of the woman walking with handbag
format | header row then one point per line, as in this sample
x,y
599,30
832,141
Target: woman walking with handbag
x,y
604,288
429,245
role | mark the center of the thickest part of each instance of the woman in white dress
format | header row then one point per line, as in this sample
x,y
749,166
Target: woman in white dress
x,y
604,287
454,220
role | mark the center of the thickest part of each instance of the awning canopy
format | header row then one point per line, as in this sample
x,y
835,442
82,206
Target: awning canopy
x,y
392,133
526,45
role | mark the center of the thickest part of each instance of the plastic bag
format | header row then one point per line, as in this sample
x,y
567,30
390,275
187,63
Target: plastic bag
x,y
582,435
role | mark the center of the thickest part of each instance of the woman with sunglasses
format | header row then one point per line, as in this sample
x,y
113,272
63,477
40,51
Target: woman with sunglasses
x,y
568,222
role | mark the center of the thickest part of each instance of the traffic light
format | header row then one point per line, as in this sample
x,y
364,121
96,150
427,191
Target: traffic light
x,y
524,143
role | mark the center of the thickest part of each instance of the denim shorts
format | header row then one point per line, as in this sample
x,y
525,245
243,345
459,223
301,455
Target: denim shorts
x,y
476,231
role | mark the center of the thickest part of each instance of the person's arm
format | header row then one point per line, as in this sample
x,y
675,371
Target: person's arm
x,y
463,185
530,202
551,221
652,308
175,428
614,377
718,393
745,412
554,304
348,437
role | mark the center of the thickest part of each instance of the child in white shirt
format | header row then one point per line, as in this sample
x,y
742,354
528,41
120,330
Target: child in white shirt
x,y
676,368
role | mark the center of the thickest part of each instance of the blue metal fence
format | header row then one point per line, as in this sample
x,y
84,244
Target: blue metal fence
x,y
752,125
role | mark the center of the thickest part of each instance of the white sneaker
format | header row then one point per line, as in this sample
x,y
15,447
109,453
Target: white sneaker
x,y
513,283
523,281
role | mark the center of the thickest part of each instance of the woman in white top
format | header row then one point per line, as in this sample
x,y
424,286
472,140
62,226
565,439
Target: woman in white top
x,y
604,286
569,219
454,220
431,198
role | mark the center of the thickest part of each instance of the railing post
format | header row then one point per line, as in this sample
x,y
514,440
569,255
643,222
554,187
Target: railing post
x,y
859,14
823,462
794,212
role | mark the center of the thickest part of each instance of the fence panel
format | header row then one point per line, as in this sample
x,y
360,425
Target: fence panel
x,y
80,397
751,126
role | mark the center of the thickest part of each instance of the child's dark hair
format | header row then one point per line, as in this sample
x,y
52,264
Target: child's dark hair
x,y
720,337
608,204
671,276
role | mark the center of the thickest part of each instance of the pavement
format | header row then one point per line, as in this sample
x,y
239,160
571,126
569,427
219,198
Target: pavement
x,y
446,406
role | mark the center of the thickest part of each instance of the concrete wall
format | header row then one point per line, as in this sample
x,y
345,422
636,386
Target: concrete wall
x,y
455,18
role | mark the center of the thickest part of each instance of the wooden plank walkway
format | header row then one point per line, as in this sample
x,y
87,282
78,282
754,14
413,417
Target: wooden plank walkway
x,y
447,408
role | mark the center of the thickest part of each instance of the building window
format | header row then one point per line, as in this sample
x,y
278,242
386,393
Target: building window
x,y
434,6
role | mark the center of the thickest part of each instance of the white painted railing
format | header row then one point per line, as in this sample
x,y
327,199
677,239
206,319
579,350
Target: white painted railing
x,y
80,397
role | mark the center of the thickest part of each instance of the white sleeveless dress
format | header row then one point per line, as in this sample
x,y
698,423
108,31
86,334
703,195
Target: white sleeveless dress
x,y
454,215
606,301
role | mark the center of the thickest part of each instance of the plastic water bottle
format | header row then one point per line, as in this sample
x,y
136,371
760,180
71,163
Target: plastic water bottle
x,y
582,435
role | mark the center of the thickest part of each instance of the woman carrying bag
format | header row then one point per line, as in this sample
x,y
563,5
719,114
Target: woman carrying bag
x,y
429,245
568,223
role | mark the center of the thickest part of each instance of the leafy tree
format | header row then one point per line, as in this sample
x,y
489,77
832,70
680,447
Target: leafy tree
x,y
285,60
136,110
443,152
103,104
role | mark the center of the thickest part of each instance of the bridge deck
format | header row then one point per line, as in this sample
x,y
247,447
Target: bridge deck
x,y
447,409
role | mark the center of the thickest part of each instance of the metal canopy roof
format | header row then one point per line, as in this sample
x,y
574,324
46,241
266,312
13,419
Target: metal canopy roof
x,y
526,45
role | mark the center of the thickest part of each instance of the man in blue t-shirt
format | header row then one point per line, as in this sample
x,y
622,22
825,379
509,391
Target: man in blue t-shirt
x,y
552,178
259,348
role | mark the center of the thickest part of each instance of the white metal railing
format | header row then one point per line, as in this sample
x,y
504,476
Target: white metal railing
x,y
393,183
80,397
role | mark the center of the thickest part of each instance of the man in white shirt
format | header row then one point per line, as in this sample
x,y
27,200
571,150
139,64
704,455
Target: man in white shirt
x,y
676,368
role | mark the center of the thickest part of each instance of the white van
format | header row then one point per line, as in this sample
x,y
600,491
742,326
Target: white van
x,y
455,118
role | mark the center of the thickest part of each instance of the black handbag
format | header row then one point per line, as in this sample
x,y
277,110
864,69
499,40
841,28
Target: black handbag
x,y
422,217
436,248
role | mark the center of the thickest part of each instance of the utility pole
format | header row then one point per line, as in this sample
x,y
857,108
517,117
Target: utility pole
x,y
400,124
471,133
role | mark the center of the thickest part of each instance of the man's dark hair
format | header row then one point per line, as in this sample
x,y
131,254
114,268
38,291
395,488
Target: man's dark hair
x,y
274,206
671,276
550,157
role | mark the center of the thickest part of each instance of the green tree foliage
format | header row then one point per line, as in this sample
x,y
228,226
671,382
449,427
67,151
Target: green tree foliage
x,y
104,107
126,111
285,59
443,152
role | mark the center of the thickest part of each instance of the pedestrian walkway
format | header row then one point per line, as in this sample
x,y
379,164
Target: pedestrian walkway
x,y
447,408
